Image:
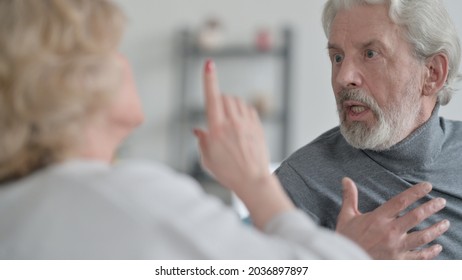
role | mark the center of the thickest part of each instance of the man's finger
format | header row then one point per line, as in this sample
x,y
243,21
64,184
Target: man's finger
x,y
424,254
421,238
420,213
350,200
213,102
392,208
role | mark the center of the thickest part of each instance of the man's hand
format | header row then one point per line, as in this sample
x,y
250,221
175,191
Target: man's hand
x,y
384,233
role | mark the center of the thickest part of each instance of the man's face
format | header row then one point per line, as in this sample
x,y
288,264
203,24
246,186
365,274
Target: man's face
x,y
376,78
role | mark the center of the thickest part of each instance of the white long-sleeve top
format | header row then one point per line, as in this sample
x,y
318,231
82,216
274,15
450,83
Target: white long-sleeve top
x,y
138,210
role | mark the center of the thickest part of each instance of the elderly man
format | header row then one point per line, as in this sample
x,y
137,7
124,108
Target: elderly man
x,y
393,64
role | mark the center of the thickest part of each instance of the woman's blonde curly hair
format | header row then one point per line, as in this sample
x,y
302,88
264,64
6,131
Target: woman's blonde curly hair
x,y
57,68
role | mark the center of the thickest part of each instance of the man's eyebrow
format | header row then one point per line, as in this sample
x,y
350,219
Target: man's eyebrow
x,y
332,46
361,45
373,42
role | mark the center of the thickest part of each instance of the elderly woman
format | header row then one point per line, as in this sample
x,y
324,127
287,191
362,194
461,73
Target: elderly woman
x,y
67,100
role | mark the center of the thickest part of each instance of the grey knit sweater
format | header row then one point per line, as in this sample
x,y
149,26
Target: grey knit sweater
x,y
312,175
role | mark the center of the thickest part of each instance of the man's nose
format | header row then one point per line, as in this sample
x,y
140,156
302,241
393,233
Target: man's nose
x,y
348,75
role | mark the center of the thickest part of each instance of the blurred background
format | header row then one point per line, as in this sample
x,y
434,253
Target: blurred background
x,y
270,52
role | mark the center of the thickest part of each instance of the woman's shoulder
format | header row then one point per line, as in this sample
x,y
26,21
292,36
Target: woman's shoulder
x,y
150,172
128,182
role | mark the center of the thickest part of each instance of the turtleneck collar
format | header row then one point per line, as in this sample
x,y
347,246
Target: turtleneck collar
x,y
417,150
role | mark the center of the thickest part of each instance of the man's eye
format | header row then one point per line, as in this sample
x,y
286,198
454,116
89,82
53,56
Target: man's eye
x,y
370,53
338,58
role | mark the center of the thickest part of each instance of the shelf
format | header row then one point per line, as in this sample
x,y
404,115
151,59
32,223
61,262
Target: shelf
x,y
233,52
198,115
276,123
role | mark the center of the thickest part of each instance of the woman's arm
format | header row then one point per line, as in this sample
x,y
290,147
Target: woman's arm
x,y
234,150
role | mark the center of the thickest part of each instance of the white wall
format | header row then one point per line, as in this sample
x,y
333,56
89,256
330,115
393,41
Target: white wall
x,y
149,44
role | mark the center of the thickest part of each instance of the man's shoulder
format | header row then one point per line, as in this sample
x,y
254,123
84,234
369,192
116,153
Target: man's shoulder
x,y
321,159
312,174
327,144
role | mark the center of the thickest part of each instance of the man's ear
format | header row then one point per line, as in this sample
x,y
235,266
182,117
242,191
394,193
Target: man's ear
x,y
436,74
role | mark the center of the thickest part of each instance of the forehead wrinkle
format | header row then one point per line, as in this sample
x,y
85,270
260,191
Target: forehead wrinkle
x,y
347,23
382,38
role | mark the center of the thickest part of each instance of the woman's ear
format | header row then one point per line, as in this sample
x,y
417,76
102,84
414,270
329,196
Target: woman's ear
x,y
437,73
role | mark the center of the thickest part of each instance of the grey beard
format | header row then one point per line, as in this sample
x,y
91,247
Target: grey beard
x,y
360,136
390,126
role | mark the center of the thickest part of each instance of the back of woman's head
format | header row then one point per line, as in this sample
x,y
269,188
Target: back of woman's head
x,y
57,69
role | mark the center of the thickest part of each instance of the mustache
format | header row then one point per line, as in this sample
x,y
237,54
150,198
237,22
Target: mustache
x,y
358,95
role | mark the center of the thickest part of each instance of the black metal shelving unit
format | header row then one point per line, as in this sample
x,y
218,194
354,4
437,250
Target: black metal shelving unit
x,y
190,114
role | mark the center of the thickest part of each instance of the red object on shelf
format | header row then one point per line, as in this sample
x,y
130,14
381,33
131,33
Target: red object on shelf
x,y
264,41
